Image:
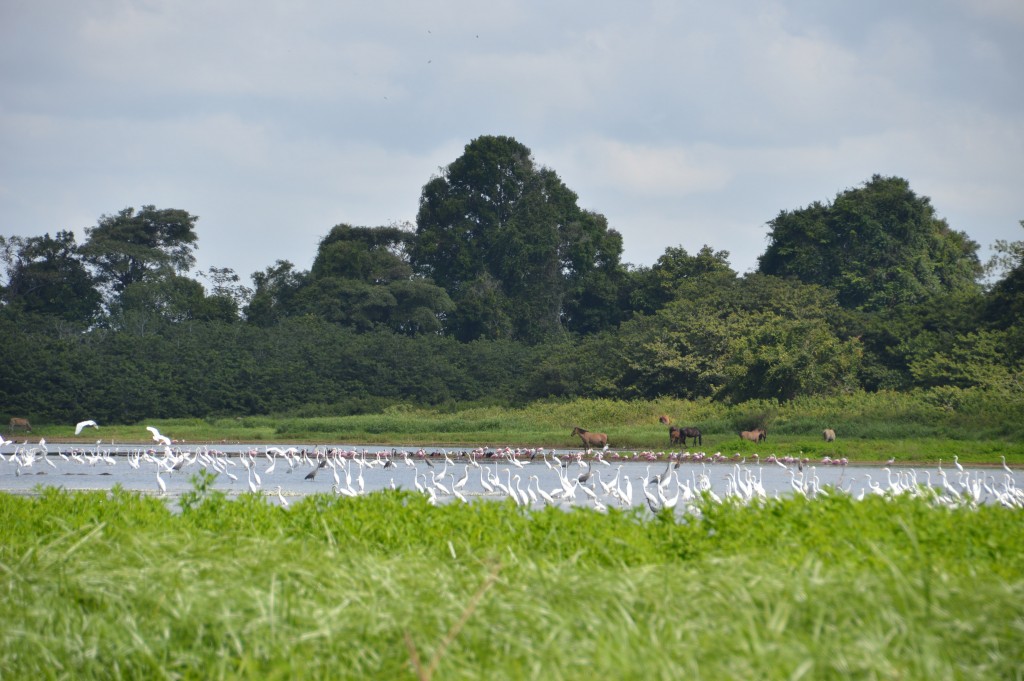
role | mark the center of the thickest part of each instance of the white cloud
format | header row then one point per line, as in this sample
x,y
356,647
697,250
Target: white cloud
x,y
685,123
646,171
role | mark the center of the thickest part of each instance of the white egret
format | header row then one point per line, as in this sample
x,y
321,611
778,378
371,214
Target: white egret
x,y
627,494
253,485
347,492
436,482
157,437
544,495
462,481
488,487
514,493
529,490
82,425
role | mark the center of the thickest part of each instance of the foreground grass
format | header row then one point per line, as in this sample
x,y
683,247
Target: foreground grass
x,y
384,586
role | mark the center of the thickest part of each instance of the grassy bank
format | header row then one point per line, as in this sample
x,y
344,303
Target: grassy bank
x,y
920,426
385,586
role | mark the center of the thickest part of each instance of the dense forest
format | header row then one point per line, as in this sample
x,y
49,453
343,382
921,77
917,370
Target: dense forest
x,y
505,291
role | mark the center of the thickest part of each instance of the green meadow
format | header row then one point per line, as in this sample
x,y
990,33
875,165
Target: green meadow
x,y
920,426
114,585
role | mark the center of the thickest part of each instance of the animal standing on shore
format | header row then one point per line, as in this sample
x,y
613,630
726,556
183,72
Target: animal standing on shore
x,y
756,435
20,424
591,440
829,435
677,435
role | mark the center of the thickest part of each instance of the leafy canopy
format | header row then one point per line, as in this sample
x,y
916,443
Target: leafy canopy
x,y
516,254
877,246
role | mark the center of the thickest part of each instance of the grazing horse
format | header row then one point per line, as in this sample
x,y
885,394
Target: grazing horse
x,y
678,435
829,435
693,433
591,439
756,435
20,424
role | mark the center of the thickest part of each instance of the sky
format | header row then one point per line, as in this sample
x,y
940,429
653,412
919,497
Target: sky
x,y
685,123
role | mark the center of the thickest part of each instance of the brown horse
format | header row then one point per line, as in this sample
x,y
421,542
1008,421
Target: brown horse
x,y
693,434
677,435
756,435
591,440
20,424
829,435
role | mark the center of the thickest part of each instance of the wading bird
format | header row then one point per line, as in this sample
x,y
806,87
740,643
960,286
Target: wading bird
x,y
82,425
157,437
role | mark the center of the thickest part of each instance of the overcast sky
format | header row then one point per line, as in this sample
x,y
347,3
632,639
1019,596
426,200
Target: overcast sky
x,y
684,123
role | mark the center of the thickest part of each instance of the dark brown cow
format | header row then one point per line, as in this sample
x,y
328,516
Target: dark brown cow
x,y
20,424
591,440
756,435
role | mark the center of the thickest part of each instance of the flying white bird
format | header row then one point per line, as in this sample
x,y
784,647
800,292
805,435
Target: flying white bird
x,y
157,437
82,425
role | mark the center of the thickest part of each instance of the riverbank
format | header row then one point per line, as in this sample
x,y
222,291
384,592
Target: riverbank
x,y
870,428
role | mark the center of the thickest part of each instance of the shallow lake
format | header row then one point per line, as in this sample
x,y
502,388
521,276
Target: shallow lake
x,y
284,471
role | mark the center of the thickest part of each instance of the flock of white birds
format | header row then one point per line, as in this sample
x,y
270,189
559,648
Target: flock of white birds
x,y
512,473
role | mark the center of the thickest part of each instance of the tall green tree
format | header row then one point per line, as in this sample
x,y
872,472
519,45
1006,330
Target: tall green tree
x,y
877,246
738,339
1004,302
226,289
508,242
151,304
47,275
132,246
654,287
362,278
274,293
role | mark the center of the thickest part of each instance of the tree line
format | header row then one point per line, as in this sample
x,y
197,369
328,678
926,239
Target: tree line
x,y
505,291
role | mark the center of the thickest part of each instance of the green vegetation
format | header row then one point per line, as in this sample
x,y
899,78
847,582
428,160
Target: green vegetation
x,y
925,425
115,585
505,315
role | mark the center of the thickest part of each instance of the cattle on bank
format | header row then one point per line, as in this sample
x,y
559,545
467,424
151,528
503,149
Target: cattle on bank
x,y
20,424
829,435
